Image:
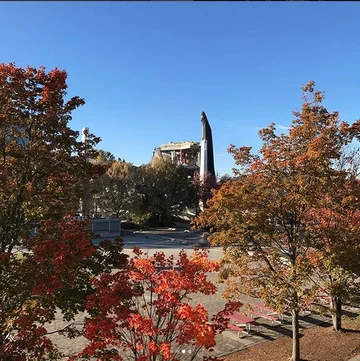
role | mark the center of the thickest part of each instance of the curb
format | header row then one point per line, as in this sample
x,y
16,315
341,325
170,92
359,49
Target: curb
x,y
170,239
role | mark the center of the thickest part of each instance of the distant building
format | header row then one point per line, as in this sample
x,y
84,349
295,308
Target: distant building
x,y
183,153
193,155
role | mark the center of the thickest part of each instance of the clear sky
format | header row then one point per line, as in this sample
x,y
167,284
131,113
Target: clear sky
x,y
147,70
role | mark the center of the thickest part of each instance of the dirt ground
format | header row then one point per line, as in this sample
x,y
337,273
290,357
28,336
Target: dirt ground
x,y
316,344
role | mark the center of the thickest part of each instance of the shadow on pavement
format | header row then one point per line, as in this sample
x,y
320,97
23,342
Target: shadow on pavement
x,y
278,329
315,321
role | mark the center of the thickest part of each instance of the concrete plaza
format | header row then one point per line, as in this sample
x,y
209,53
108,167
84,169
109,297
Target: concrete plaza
x,y
171,242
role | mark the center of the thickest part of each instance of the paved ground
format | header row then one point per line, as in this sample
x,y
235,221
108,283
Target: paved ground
x,y
171,242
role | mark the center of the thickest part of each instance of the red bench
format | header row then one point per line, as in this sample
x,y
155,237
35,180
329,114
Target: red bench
x,y
235,328
264,309
243,320
263,315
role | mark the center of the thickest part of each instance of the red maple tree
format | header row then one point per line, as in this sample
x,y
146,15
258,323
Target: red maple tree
x,y
54,274
43,168
146,311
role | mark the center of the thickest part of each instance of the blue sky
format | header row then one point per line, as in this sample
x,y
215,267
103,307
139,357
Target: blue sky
x,y
147,70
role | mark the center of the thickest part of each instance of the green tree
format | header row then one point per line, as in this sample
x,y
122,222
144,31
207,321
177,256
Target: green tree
x,y
165,190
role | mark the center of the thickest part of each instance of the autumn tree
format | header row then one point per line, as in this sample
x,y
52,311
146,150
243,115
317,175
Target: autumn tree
x,y
111,192
225,178
263,217
54,274
335,224
42,171
334,219
93,189
147,312
203,187
117,196
43,165
104,158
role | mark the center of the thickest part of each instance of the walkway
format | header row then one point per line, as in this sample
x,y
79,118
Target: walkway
x,y
228,341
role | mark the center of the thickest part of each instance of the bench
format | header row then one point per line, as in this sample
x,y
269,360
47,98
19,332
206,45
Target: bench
x,y
264,309
243,320
263,315
235,328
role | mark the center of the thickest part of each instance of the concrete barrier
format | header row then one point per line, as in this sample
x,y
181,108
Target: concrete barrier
x,y
106,227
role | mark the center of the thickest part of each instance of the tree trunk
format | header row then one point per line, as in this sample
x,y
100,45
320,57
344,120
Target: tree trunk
x,y
336,311
295,336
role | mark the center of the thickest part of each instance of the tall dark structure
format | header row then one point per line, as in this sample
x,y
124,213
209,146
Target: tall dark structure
x,y
207,151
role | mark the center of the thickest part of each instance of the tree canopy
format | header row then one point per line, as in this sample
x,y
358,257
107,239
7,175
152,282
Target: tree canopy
x,y
146,311
43,168
43,165
273,217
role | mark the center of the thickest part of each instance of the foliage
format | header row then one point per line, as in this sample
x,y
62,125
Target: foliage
x,y
264,217
203,189
42,171
104,158
150,194
335,226
43,166
145,312
92,189
119,189
112,192
54,274
164,190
